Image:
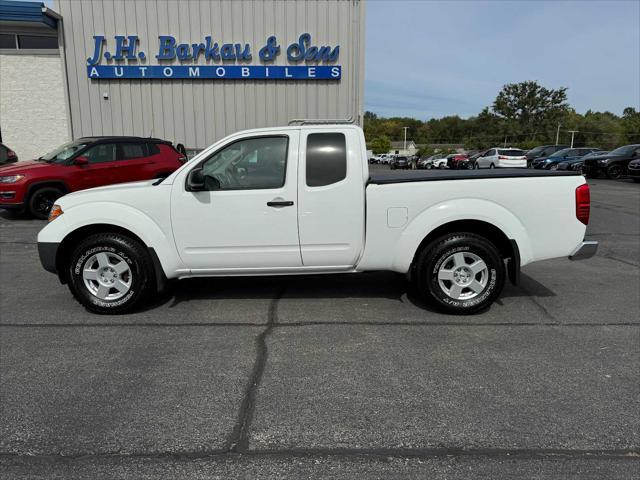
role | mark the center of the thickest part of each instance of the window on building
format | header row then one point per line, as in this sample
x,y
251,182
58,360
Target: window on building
x,y
37,42
130,151
104,152
326,159
254,163
7,41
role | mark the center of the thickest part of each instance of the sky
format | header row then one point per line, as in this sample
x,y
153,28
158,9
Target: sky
x,y
428,59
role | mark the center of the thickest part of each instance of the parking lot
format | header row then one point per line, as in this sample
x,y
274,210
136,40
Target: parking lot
x,y
340,377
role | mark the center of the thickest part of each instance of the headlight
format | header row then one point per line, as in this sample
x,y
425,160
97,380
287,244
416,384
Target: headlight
x,y
55,212
11,178
603,161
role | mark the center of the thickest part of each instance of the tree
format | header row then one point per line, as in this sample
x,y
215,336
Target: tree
x,y
528,107
380,145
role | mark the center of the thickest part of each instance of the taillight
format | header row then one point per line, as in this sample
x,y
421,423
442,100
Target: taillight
x,y
502,158
583,203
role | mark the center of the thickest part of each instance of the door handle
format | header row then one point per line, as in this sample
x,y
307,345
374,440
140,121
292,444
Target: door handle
x,y
280,203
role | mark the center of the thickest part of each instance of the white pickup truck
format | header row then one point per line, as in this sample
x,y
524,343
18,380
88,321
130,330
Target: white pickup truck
x,y
301,200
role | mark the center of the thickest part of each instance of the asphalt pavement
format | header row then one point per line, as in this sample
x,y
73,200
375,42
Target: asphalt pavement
x,y
343,376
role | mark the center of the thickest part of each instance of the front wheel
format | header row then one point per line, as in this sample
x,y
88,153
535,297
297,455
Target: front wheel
x,y
42,200
460,273
110,273
614,172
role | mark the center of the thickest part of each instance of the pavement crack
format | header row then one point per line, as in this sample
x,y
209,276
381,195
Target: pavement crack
x,y
240,437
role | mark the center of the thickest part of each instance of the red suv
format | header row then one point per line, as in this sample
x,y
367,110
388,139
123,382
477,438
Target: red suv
x,y
84,163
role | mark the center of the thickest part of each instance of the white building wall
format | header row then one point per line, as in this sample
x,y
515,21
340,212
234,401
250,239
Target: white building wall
x,y
33,115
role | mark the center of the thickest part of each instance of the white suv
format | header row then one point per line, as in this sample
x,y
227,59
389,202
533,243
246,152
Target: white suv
x,y
502,158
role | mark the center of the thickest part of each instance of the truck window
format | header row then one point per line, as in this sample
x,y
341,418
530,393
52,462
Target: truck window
x,y
326,159
252,163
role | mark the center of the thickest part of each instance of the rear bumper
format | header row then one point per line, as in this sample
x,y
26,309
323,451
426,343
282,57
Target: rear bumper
x,y
47,252
586,249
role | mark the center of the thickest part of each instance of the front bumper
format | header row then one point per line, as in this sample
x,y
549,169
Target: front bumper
x,y
586,249
48,252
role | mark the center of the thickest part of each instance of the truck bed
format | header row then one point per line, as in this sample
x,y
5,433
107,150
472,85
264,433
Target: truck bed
x,y
404,176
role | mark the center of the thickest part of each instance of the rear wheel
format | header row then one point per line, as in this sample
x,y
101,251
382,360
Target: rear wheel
x,y
614,172
460,273
41,201
110,273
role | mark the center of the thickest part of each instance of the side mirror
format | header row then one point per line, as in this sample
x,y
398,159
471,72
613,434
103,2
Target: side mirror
x,y
195,180
81,161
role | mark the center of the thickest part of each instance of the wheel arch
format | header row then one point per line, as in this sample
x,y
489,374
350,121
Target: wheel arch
x,y
507,247
71,240
482,217
32,187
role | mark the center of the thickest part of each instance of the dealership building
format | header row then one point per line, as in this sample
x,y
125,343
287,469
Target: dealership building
x,y
188,71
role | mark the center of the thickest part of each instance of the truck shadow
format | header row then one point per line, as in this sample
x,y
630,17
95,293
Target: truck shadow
x,y
382,285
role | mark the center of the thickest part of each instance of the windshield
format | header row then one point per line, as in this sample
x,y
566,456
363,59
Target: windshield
x,y
534,152
595,154
562,153
626,150
64,152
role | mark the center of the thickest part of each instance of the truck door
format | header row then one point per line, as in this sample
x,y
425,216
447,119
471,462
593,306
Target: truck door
x,y
331,197
246,219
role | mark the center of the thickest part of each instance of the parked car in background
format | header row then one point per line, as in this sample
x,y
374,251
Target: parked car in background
x,y
634,170
576,164
542,151
454,160
471,163
400,163
7,155
502,158
566,154
614,164
84,163
439,160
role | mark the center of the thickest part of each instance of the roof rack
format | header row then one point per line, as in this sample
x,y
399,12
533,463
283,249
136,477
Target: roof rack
x,y
322,121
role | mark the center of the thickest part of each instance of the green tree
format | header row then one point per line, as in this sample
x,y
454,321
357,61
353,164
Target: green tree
x,y
528,108
380,145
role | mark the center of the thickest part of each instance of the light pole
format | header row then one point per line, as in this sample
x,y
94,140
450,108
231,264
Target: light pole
x,y
558,134
405,139
572,132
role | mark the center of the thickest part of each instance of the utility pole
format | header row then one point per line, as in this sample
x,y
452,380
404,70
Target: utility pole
x,y
572,132
558,134
405,139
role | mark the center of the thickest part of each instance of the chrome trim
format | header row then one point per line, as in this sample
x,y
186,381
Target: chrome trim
x,y
586,249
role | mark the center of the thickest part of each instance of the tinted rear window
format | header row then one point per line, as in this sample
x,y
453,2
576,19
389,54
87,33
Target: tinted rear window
x,y
153,148
511,153
132,150
326,159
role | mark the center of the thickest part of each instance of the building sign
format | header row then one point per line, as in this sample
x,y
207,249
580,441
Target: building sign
x,y
231,60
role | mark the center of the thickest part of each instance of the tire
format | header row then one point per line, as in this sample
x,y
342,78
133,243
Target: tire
x,y
110,273
41,201
614,172
452,255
